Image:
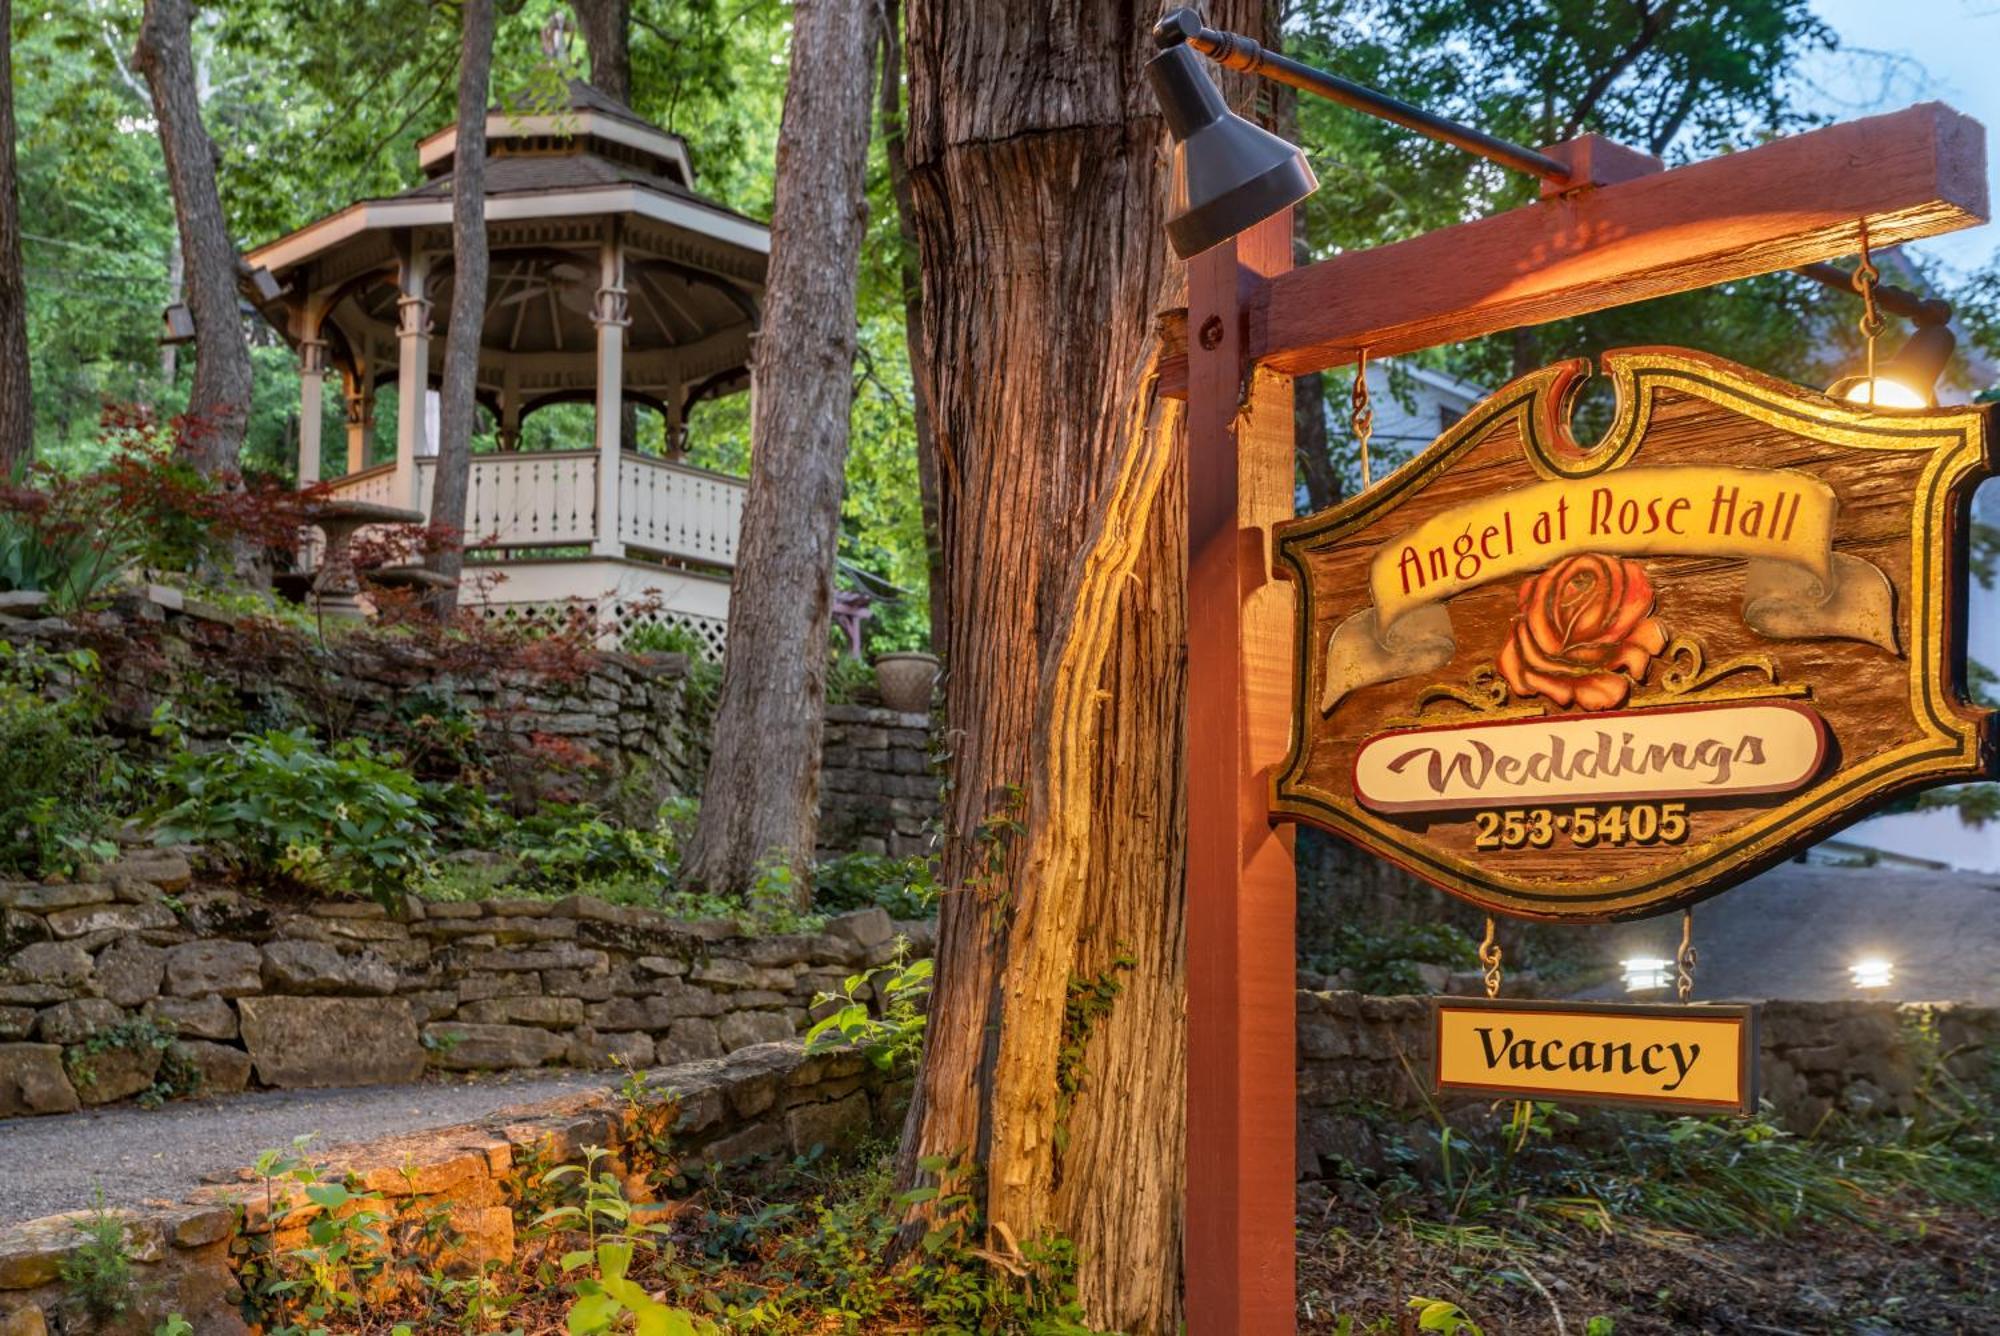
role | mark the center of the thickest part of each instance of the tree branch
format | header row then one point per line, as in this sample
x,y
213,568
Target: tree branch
x,y
1652,22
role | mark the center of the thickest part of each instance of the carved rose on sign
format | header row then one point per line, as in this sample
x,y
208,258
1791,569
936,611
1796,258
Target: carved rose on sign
x,y
1584,634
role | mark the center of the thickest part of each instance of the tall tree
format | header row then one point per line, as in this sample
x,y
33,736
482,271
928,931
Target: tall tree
x,y
220,402
458,405
760,797
17,410
607,35
895,153
1037,163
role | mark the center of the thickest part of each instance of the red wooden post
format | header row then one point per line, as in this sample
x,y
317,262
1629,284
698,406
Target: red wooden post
x,y
1241,1041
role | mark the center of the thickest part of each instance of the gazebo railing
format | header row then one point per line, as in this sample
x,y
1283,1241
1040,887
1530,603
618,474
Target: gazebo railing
x,y
375,485
527,499
678,511
538,499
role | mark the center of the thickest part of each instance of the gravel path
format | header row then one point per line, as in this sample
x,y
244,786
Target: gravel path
x,y
56,1164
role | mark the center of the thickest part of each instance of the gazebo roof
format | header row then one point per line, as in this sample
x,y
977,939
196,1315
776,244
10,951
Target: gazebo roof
x,y
561,184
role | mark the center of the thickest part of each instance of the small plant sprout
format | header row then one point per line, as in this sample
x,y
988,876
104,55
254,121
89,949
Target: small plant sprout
x,y
897,1035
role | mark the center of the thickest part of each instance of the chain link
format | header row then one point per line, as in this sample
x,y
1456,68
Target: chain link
x,y
1489,956
1873,322
1364,417
1685,958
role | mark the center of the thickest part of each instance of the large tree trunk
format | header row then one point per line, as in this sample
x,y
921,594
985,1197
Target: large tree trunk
x,y
607,35
17,410
219,406
895,151
1038,165
760,797
458,390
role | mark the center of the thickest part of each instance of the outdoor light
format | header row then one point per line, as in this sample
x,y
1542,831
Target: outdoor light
x,y
1644,974
1872,972
1908,379
1228,174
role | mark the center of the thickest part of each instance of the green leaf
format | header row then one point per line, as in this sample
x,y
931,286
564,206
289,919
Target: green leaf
x,y
592,1313
614,1260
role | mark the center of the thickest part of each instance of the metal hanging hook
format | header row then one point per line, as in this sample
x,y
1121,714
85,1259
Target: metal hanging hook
x,y
1364,416
1873,322
1685,958
1489,956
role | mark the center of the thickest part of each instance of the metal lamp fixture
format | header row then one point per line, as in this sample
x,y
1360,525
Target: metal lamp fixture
x,y
1908,379
1227,174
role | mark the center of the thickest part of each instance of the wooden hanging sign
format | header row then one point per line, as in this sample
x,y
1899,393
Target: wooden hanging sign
x,y
1683,1059
1597,684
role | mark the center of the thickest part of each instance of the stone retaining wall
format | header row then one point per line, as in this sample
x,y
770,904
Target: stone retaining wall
x,y
1362,1058
617,729
94,978
603,726
454,1197
878,792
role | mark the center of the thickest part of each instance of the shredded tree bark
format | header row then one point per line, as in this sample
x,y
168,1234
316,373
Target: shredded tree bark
x,y
1038,178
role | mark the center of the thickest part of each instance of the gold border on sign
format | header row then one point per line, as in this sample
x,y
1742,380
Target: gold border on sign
x,y
1745,1015
1956,741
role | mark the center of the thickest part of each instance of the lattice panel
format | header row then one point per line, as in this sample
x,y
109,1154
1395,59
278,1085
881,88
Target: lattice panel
x,y
618,617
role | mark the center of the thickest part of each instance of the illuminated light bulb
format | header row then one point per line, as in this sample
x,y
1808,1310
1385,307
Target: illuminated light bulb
x,y
1644,974
1887,394
1905,381
1872,972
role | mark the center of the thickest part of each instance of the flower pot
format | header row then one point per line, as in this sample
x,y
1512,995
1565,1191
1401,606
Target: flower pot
x,y
906,681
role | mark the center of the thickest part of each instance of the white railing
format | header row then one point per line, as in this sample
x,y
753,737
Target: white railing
x,y
376,485
528,499
677,511
541,499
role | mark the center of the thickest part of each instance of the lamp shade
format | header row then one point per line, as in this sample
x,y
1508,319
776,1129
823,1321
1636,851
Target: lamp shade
x,y
1908,379
1228,174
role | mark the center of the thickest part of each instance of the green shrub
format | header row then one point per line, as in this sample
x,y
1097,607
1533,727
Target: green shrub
x,y
72,566
906,887
1386,961
282,805
568,849
55,777
664,638
704,672
847,678
894,1037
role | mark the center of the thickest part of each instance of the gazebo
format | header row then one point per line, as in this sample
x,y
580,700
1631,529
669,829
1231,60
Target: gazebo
x,y
612,282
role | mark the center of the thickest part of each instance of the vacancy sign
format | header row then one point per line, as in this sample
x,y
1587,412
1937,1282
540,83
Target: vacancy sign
x,y
1686,1059
1590,683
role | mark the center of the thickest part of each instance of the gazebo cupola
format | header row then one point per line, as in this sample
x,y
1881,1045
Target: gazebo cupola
x,y
612,280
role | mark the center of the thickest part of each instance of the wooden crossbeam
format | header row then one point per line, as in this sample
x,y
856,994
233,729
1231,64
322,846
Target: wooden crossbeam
x,y
1912,174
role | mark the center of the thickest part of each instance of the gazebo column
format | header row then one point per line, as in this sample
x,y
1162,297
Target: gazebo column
x,y
611,320
509,434
312,384
360,396
413,366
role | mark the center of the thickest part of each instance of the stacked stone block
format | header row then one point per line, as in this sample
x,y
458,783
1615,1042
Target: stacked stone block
x,y
345,993
878,790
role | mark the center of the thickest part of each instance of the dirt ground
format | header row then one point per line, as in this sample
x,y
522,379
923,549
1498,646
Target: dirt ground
x,y
1939,1276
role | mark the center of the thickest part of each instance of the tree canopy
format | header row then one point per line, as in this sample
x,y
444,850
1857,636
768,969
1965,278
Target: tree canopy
x,y
315,105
